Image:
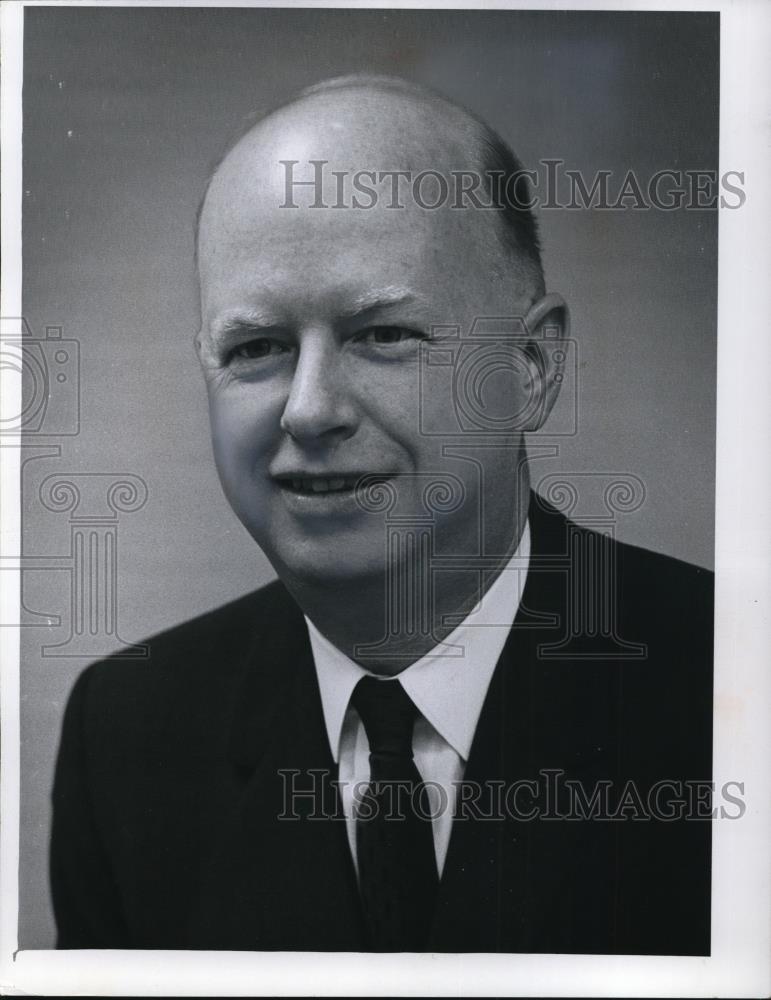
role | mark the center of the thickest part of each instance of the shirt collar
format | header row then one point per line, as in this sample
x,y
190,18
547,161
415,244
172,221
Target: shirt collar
x,y
450,682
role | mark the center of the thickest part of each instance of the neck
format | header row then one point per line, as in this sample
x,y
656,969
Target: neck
x,y
378,625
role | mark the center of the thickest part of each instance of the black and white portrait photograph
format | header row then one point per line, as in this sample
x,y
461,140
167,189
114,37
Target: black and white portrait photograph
x,y
385,499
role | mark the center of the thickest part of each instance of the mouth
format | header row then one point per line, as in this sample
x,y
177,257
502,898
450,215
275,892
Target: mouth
x,y
333,483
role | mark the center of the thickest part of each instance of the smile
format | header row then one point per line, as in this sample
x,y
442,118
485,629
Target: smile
x,y
333,483
320,484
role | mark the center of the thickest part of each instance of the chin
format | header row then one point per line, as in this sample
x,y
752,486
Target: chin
x,y
329,561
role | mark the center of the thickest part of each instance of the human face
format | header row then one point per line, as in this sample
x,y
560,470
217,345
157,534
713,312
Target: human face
x,y
314,325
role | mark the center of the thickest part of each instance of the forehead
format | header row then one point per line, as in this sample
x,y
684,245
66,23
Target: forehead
x,y
252,239
277,251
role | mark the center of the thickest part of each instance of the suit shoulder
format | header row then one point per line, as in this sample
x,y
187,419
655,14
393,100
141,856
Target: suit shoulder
x,y
221,643
638,569
654,579
232,623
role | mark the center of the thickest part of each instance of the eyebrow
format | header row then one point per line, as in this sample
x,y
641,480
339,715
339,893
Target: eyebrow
x,y
244,321
251,321
380,299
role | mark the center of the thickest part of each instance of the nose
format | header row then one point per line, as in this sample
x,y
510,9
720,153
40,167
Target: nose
x,y
318,408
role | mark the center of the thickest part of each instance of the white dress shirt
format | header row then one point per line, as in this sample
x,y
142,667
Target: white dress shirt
x,y
448,685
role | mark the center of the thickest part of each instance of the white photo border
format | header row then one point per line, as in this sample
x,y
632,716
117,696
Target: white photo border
x,y
739,965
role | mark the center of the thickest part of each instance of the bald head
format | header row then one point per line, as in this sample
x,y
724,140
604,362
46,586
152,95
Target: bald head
x,y
369,142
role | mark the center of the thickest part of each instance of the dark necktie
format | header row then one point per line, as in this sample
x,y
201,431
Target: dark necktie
x,y
394,840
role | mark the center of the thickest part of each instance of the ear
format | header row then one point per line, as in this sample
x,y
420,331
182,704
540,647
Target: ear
x,y
548,326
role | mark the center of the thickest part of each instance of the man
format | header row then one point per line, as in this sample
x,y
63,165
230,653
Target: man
x,y
230,793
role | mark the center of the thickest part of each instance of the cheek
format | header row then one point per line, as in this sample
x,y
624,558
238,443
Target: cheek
x,y
390,400
244,428
485,391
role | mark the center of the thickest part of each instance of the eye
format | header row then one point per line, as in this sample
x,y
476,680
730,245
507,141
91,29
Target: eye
x,y
254,350
385,335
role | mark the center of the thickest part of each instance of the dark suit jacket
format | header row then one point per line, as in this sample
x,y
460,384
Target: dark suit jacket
x,y
168,783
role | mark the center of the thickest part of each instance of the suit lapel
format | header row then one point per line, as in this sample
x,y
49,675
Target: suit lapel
x,y
511,883
280,876
483,902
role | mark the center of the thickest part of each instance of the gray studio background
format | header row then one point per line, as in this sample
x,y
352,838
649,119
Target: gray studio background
x,y
125,111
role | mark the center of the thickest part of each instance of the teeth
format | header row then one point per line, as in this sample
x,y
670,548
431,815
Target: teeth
x,y
322,485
